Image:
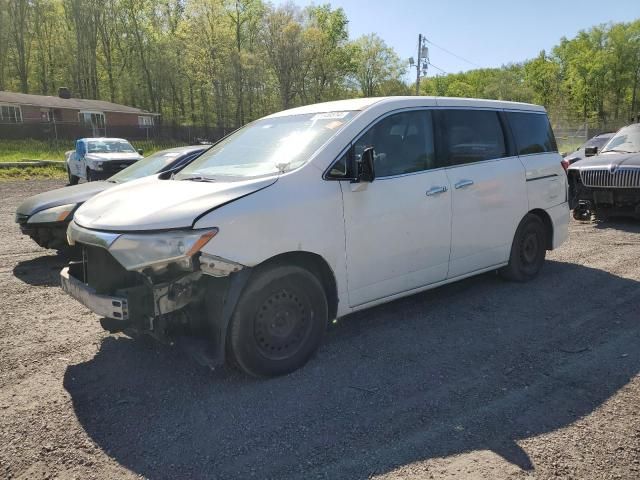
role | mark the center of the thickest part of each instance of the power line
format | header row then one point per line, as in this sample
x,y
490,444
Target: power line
x,y
438,68
453,54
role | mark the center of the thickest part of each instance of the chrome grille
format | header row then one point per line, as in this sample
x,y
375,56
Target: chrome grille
x,y
619,178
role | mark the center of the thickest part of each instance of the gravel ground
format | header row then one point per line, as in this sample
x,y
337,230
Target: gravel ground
x,y
480,379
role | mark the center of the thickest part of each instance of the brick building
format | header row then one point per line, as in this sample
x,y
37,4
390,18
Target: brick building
x,y
66,116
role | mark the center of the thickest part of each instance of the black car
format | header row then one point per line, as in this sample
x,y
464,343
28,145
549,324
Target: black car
x,y
45,217
608,184
587,149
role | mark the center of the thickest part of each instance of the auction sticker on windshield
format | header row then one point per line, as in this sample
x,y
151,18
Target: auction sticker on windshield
x,y
329,115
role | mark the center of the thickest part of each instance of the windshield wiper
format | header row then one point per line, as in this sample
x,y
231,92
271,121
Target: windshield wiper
x,y
199,178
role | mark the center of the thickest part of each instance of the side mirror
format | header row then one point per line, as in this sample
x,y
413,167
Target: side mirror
x,y
590,151
366,168
140,151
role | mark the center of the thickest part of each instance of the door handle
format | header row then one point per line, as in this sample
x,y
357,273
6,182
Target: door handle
x,y
436,190
464,183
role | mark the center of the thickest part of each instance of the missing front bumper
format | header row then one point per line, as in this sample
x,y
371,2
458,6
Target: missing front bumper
x,y
140,303
107,306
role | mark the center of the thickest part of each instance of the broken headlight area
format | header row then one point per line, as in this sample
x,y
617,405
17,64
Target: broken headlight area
x,y
155,252
166,293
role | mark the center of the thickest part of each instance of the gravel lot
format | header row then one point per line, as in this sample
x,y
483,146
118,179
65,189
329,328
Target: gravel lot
x,y
480,379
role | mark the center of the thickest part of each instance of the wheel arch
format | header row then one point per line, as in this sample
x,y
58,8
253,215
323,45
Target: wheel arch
x,y
548,225
225,292
315,264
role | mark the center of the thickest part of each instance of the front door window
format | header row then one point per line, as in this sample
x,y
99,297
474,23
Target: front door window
x,y
403,143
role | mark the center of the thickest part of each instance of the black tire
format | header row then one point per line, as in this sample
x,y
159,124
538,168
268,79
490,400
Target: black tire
x,y
279,321
73,180
528,250
581,214
89,175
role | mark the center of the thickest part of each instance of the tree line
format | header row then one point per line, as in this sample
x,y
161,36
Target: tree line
x,y
210,62
593,78
225,62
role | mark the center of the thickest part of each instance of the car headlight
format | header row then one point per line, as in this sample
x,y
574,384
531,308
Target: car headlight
x,y
52,215
94,163
137,251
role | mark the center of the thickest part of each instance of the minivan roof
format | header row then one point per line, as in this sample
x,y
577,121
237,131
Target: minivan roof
x,y
403,102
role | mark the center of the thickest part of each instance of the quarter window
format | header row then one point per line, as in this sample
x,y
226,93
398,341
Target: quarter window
x,y
532,133
468,136
402,143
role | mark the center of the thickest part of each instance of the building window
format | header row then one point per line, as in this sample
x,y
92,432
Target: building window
x,y
91,119
45,115
145,121
10,114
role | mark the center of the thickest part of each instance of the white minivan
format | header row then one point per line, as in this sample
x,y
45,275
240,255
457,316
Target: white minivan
x,y
312,213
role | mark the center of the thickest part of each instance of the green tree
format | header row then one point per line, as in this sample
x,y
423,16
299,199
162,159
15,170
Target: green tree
x,y
375,63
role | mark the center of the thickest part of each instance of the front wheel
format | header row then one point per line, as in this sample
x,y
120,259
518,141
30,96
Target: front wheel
x,y
528,250
90,175
279,322
73,179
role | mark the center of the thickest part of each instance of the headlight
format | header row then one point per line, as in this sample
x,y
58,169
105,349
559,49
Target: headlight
x,y
55,214
94,163
137,251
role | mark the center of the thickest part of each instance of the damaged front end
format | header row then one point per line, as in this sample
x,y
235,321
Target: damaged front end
x,y
154,283
604,192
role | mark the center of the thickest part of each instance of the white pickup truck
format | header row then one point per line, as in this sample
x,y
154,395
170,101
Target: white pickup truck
x,y
99,158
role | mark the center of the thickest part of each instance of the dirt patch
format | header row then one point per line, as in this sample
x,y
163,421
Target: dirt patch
x,y
480,379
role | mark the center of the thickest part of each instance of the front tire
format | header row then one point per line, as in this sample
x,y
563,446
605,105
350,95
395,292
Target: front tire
x,y
528,250
73,179
90,176
279,321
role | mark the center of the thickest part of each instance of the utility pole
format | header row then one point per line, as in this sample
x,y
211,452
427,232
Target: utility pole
x,y
423,61
418,65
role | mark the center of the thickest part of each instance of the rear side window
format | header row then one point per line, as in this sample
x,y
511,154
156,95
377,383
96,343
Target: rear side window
x,y
468,136
532,132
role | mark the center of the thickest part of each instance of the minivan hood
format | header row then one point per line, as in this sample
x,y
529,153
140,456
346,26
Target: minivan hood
x,y
607,160
161,204
62,196
114,156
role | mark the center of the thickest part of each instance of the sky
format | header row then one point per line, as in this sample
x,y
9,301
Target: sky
x,y
486,33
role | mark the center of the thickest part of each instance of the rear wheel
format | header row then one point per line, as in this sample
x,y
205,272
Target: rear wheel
x,y
73,180
528,250
279,321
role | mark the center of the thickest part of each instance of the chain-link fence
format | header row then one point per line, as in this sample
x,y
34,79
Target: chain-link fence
x,y
571,135
65,132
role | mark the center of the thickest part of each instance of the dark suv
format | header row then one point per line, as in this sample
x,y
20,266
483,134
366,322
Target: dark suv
x,y
608,184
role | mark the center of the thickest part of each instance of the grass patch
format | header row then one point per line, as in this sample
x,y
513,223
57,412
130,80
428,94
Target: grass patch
x,y
28,173
18,150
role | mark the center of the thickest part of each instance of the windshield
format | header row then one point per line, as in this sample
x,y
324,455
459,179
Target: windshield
x,y
627,140
598,141
267,146
109,146
147,166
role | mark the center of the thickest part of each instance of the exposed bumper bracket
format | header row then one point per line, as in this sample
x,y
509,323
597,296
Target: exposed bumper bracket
x,y
104,305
